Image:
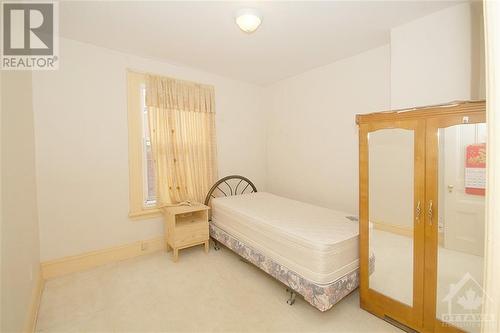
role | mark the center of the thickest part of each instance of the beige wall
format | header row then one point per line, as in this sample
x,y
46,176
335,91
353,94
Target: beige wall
x,y
296,138
390,177
1,203
437,59
20,244
478,61
82,148
312,139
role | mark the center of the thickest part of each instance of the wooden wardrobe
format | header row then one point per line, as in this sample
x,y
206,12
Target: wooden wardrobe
x,y
422,204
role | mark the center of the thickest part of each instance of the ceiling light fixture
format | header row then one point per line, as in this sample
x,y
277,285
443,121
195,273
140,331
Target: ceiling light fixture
x,y
248,19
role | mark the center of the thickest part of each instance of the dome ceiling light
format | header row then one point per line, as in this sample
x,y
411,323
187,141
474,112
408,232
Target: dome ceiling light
x,y
248,19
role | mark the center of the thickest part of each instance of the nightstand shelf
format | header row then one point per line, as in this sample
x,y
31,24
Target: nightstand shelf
x,y
186,226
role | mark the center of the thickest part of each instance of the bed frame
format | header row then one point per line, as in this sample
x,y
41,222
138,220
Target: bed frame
x,y
228,186
225,184
322,297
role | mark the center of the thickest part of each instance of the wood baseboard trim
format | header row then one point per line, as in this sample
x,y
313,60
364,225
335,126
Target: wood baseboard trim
x,y
402,230
77,263
395,229
35,303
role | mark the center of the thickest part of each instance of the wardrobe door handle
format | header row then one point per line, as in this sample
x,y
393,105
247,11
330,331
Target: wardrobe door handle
x,y
430,212
417,212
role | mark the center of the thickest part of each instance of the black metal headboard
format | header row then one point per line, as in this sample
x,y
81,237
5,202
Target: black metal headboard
x,y
230,185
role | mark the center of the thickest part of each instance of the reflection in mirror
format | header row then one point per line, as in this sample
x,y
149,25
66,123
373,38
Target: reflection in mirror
x,y
391,165
462,180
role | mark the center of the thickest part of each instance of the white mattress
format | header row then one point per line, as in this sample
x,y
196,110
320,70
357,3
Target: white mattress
x,y
319,244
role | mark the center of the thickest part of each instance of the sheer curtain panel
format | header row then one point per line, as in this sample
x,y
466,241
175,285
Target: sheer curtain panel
x,y
182,126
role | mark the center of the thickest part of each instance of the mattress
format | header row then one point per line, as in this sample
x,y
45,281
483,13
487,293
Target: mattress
x,y
317,243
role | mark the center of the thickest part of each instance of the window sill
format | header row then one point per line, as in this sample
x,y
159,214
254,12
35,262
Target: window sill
x,y
145,213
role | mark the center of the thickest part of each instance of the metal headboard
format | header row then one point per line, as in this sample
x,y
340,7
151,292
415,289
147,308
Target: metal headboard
x,y
226,187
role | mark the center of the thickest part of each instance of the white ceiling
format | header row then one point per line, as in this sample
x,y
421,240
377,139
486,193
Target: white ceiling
x,y
293,37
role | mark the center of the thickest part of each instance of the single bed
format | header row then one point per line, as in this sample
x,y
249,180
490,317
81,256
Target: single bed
x,y
312,250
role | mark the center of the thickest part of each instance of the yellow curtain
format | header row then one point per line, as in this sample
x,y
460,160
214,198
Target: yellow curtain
x,y
182,126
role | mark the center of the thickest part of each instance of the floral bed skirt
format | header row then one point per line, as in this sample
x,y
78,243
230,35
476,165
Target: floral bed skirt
x,y
322,297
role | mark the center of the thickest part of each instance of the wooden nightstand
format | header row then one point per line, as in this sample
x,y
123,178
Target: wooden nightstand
x,y
186,226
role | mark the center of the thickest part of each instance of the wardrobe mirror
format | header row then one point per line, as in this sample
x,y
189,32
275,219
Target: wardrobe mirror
x,y
461,221
391,192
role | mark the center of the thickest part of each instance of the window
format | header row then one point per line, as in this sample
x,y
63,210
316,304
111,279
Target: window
x,y
148,167
142,176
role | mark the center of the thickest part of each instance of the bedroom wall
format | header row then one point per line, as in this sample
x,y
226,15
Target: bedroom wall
x,y
438,58
82,147
1,200
20,250
312,137
312,142
296,138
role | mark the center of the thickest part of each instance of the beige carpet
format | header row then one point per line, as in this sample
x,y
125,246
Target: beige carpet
x,y
201,293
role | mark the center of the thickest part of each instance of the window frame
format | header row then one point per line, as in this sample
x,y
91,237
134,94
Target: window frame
x,y
137,165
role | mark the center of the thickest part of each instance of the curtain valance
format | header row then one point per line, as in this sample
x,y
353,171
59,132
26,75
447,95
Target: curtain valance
x,y
169,93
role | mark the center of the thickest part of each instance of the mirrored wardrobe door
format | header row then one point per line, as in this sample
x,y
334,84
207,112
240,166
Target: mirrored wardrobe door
x,y
457,224
391,191
393,219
